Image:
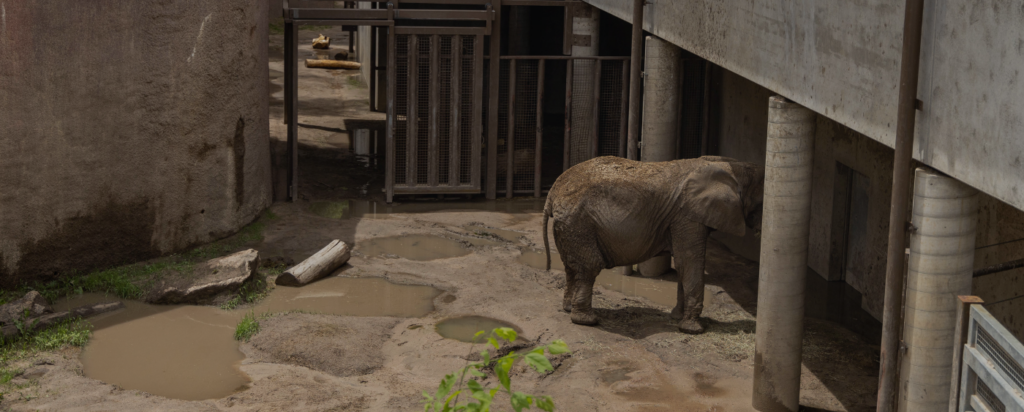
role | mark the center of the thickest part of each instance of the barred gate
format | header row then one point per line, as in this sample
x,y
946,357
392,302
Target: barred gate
x,y
992,378
437,122
596,103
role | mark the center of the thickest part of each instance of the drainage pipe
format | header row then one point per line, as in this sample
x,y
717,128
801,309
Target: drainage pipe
x,y
633,133
784,239
905,116
940,267
660,119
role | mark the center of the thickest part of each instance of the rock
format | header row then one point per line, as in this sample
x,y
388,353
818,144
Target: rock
x,y
209,280
29,306
35,373
45,321
322,42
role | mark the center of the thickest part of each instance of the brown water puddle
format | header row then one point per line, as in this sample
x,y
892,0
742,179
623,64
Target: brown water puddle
x,y
189,352
464,328
416,247
656,290
509,235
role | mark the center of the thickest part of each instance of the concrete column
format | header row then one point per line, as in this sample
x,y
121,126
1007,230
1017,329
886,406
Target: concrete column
x,y
784,239
660,128
940,268
586,25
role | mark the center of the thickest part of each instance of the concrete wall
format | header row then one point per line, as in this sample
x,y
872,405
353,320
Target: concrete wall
x,y
841,59
129,129
1000,239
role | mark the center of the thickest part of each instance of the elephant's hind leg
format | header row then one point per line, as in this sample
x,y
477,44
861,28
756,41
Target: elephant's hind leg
x,y
570,289
582,313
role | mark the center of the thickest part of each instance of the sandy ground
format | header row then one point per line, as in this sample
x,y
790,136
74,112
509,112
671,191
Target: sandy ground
x,y
634,360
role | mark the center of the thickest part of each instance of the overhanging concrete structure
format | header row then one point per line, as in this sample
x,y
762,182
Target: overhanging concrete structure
x,y
841,60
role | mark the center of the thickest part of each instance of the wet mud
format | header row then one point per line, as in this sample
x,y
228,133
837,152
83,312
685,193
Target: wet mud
x,y
189,352
413,247
464,328
660,290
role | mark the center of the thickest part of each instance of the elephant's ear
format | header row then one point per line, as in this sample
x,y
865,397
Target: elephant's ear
x,y
712,196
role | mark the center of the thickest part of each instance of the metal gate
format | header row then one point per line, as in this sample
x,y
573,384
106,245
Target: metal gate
x,y
435,132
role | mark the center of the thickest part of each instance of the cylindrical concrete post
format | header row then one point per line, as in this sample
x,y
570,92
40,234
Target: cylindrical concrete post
x,y
940,268
784,238
586,25
660,129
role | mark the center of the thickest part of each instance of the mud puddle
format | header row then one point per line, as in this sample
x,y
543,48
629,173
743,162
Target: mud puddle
x,y
464,328
660,291
189,352
509,235
416,247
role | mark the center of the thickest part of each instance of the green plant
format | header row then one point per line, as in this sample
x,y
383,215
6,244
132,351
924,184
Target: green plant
x,y
247,327
446,399
71,332
251,292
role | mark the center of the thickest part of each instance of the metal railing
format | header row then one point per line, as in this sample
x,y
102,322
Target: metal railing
x,y
992,376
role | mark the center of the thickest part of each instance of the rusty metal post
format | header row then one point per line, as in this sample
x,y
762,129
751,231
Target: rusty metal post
x,y
634,79
906,112
963,318
492,104
291,75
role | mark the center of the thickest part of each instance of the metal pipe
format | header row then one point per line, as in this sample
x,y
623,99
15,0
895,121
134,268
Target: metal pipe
x,y
1002,267
784,244
634,79
892,315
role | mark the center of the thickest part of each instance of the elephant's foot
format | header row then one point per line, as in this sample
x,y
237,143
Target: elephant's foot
x,y
691,326
583,318
677,313
567,307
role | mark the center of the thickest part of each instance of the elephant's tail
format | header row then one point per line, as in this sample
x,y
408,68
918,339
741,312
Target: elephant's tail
x,y
547,250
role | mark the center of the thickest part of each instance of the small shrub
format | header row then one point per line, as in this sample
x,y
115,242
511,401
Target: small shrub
x,y
247,327
446,399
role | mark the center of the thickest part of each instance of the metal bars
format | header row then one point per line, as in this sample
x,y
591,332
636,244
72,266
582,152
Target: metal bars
x,y
992,378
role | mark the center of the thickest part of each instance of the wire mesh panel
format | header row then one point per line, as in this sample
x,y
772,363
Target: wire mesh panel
x,y
444,118
423,86
401,106
468,70
525,142
581,132
610,110
503,97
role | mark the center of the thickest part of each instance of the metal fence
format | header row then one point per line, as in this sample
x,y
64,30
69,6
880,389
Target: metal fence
x,y
992,378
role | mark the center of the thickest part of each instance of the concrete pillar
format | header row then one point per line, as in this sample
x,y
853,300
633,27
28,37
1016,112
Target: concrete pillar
x,y
940,268
586,25
784,239
660,129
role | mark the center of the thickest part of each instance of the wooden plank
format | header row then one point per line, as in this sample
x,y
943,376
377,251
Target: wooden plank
x,y
478,110
492,105
389,182
963,319
455,136
595,137
510,141
413,122
433,149
624,116
569,66
540,129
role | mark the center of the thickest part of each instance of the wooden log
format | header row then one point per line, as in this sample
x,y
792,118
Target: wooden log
x,y
331,64
317,266
45,321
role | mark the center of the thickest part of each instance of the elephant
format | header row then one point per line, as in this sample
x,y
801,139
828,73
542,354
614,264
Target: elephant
x,y
610,211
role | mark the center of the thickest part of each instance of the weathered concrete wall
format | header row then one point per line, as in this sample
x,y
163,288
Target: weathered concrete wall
x,y
841,59
129,129
1000,239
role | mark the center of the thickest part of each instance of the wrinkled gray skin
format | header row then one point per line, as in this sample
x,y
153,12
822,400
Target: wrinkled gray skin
x,y
611,211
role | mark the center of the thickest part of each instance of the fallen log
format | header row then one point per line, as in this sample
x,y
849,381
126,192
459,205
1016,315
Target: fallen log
x,y
331,64
45,321
321,264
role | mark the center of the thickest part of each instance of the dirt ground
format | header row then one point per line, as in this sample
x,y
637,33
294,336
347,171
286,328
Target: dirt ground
x,y
634,360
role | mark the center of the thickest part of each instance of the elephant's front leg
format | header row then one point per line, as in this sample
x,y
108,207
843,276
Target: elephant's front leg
x,y
689,243
582,313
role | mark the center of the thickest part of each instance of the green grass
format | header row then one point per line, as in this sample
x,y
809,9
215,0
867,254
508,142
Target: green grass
x,y
72,332
247,327
276,28
129,281
333,210
355,82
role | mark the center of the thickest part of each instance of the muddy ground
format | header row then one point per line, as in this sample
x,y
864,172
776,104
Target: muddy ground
x,y
634,360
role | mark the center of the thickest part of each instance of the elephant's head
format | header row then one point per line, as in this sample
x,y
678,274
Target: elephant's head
x,y
725,194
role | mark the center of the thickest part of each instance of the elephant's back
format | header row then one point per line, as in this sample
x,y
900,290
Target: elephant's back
x,y
625,181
